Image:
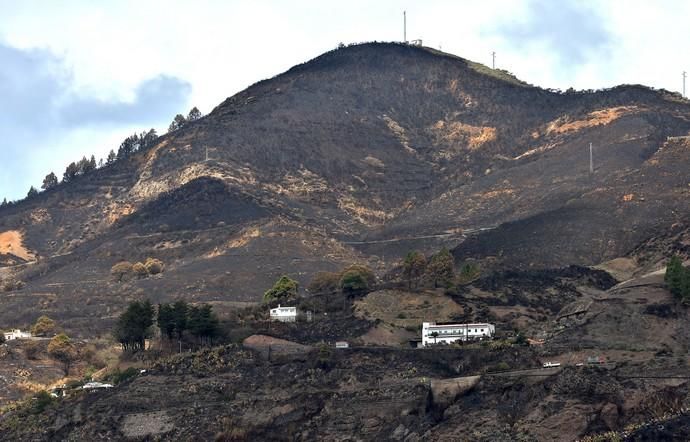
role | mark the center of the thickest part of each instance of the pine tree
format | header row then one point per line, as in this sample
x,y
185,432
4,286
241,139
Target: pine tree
x,y
441,268
111,158
49,181
164,321
413,268
194,114
71,172
177,123
32,192
674,275
134,325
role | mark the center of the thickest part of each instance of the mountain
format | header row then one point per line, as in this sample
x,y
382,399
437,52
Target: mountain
x,y
358,155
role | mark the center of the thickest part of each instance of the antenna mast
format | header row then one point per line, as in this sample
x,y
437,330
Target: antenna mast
x,y
493,60
404,26
591,159
685,74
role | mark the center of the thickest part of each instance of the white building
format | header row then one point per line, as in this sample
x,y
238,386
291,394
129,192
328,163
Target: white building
x,y
16,334
433,333
284,314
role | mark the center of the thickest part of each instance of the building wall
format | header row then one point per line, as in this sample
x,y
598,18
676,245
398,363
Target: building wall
x,y
450,333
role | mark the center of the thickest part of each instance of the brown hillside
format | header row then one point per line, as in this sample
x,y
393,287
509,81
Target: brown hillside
x,y
358,156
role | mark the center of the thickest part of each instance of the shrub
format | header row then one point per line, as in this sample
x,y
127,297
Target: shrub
x,y
324,282
121,376
44,326
41,401
139,270
121,270
154,266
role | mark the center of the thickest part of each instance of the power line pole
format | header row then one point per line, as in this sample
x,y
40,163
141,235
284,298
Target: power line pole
x,y
404,26
493,60
591,159
685,74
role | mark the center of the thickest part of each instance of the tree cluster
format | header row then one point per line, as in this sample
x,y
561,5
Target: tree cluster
x,y
134,325
124,270
677,279
174,321
438,271
354,279
180,121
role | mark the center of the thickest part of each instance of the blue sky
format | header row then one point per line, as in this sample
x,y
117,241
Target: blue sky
x,y
76,77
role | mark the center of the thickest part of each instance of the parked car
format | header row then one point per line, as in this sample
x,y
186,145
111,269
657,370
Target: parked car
x,y
551,364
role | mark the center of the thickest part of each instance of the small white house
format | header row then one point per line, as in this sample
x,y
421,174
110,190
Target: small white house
x,y
16,334
284,314
433,333
342,344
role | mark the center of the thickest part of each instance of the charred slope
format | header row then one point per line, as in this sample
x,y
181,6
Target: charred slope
x,y
360,155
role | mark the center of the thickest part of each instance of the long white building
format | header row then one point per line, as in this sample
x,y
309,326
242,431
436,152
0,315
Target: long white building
x,y
433,333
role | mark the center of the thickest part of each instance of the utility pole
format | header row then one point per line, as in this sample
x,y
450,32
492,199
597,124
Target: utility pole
x,y
591,159
206,154
405,27
493,60
685,74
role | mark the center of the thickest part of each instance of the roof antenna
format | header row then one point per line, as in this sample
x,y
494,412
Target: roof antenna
x,y
405,27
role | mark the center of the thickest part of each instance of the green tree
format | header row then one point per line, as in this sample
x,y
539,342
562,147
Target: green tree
x,y
63,349
285,289
468,272
128,146
202,322
2,337
71,172
413,268
177,123
440,270
164,320
134,325
110,159
674,276
353,282
180,310
44,326
194,114
49,181
32,192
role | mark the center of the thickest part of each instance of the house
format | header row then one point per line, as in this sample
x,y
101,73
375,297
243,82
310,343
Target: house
x,y
95,386
433,333
342,344
16,334
284,314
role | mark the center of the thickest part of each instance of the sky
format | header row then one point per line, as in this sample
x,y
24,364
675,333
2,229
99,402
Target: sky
x,y
77,77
